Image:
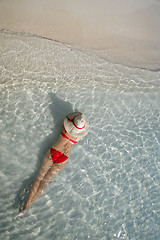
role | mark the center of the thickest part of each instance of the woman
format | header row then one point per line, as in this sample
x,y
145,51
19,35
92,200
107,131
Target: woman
x,y
75,127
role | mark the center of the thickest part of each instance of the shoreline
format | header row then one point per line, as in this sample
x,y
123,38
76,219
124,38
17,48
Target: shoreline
x,y
99,53
126,33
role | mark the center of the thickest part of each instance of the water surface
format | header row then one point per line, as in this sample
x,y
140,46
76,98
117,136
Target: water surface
x,y
110,186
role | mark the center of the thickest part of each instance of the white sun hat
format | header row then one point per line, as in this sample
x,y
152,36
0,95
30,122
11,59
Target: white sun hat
x,y
76,124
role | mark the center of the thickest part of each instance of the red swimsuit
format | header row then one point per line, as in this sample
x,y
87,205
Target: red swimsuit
x,y
64,135
57,156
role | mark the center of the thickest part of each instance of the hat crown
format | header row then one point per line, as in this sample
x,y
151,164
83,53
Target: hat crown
x,y
79,121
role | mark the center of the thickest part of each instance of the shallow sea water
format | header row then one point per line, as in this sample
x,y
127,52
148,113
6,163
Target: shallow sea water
x,y
110,188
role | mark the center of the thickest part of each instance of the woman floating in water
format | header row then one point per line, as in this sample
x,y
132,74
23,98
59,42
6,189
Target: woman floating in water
x,y
75,127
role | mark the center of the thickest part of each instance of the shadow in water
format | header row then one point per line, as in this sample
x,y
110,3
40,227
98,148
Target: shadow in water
x,y
59,109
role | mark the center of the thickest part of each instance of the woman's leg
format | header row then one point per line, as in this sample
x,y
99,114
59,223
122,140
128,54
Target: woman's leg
x,y
46,165
48,177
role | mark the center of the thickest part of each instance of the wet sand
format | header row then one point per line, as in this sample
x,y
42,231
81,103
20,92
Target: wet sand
x,y
124,32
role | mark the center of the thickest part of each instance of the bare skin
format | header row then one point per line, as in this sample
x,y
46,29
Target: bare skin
x,y
49,169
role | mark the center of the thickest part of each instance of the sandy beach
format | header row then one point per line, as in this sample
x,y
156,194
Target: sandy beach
x,y
126,32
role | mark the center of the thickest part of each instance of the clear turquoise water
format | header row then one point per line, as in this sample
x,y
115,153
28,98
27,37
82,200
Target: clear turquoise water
x,y
110,188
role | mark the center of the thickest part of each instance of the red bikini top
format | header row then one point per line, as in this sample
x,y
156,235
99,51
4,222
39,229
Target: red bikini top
x,y
64,135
